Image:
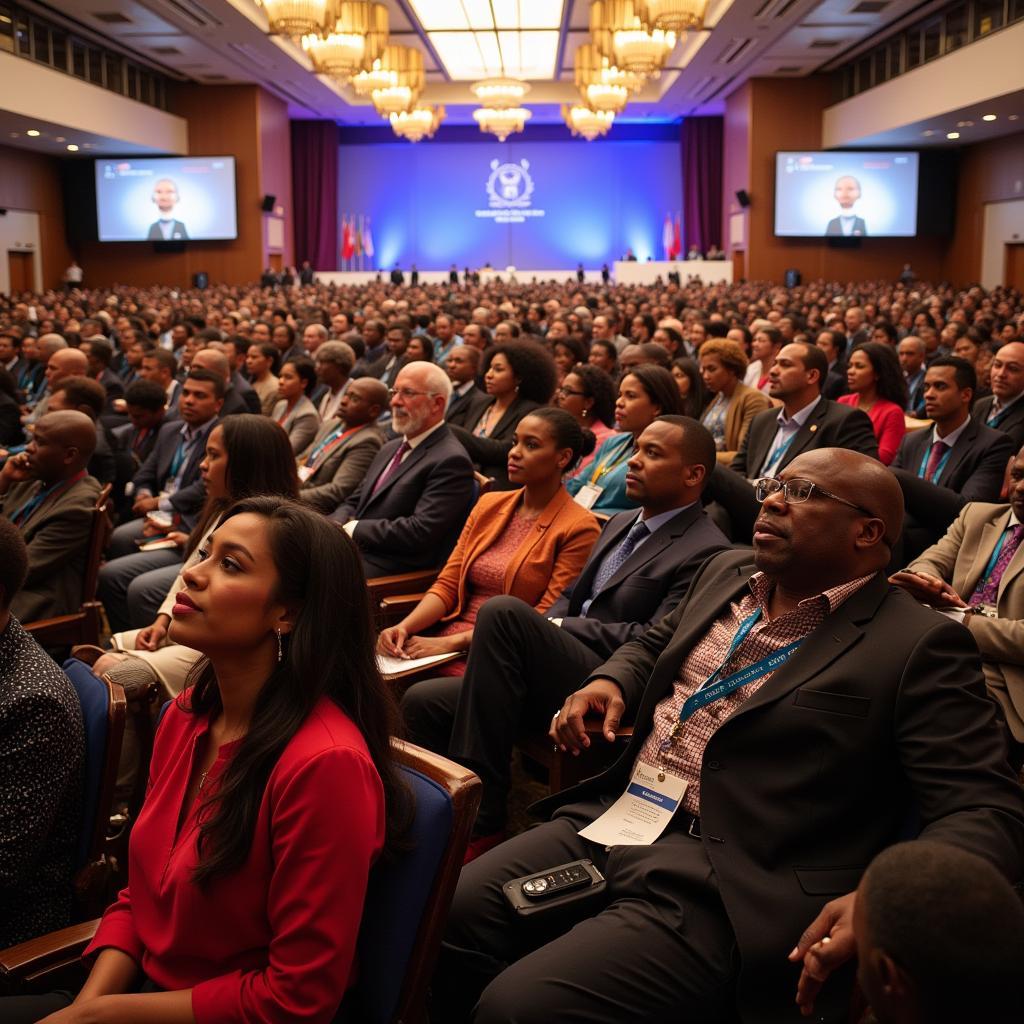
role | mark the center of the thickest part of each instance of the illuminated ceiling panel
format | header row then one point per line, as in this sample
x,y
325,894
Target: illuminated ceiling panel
x,y
491,38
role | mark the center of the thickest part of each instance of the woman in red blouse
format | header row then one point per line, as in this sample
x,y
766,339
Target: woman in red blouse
x,y
877,386
271,792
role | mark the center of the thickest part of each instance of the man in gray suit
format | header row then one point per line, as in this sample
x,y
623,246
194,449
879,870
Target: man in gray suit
x,y
47,493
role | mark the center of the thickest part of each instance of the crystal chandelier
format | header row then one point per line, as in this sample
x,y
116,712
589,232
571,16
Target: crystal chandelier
x,y
502,122
418,123
353,40
603,86
591,124
405,65
377,76
675,15
500,93
295,17
624,38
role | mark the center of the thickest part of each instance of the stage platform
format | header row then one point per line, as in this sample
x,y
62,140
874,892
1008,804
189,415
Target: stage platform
x,y
648,271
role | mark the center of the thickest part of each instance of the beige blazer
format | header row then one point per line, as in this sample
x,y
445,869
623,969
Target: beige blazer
x,y
960,558
746,403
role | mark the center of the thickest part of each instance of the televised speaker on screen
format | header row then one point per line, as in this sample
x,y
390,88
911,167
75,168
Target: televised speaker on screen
x,y
166,228
847,224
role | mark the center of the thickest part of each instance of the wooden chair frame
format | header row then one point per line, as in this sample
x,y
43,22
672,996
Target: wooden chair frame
x,y
565,770
85,625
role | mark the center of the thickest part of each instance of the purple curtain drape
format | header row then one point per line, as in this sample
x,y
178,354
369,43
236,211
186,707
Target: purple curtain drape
x,y
315,192
702,182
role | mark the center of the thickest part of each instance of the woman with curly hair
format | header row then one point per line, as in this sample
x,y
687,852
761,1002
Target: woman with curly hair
x,y
519,377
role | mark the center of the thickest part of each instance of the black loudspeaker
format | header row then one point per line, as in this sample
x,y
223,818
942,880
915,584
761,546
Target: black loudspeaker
x,y
3,212
200,280
268,204
792,278
743,198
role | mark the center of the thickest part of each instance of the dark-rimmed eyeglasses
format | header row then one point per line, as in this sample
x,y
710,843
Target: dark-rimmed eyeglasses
x,y
565,392
408,393
797,490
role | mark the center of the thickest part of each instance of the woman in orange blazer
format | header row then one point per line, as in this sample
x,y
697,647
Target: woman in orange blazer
x,y
529,543
734,404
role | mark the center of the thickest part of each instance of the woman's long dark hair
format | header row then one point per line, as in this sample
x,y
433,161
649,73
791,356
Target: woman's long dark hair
x,y
330,652
695,400
260,462
660,386
601,388
890,383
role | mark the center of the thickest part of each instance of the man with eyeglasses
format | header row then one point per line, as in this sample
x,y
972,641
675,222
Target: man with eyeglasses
x,y
792,717
412,503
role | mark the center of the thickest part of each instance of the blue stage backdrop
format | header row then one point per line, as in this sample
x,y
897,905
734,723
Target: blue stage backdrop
x,y
532,205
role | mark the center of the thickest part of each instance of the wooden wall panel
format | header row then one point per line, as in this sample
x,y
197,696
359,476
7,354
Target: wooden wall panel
x,y
275,139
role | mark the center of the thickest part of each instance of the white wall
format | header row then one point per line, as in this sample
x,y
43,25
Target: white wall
x,y
1004,222
19,231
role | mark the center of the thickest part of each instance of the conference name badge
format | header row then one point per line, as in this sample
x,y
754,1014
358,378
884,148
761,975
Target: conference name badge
x,y
642,813
588,494
305,472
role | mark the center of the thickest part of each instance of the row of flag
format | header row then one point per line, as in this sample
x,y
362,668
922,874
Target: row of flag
x,y
671,237
356,240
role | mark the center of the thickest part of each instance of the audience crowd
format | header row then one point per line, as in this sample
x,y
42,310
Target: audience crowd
x,y
752,552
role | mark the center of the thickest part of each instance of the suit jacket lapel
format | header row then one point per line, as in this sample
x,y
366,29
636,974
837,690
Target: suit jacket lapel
x,y
760,444
415,456
977,554
805,435
609,539
655,544
544,521
959,452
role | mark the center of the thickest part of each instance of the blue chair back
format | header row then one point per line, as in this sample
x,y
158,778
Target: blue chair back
x,y
397,895
94,698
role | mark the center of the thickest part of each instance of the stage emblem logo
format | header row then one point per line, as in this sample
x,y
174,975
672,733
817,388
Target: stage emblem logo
x,y
509,192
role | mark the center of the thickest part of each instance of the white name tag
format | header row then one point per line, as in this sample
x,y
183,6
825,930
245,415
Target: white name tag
x,y
305,472
588,494
642,813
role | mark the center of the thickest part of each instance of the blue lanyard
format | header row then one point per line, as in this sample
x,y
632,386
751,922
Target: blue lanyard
x,y
939,468
994,421
775,458
29,508
715,688
176,462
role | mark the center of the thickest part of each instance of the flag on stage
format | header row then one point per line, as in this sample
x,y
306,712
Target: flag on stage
x,y
677,240
367,239
357,242
347,247
667,237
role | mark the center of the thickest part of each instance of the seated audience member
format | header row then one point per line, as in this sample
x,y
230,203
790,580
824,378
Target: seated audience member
x,y
604,355
1003,410
957,461
462,364
47,493
374,338
41,752
160,366
235,401
722,910
294,411
260,360
686,374
832,342
806,421
567,352
877,387
767,343
246,456
169,481
411,505
65,362
144,400
522,664
445,338
82,394
286,342
645,393
11,434
519,377
285,735
419,350
911,354
333,363
336,461
100,354
969,967
974,573
530,543
11,357
31,378
734,405
386,367
588,395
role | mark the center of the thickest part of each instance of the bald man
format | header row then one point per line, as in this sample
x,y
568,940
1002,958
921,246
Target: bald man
x,y
235,401
48,494
791,718
63,363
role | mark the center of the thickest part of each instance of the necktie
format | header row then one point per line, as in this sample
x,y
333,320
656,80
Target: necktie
x,y
615,560
392,466
987,589
937,452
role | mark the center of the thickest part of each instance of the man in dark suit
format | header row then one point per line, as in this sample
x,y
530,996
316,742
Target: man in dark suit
x,y
847,224
1003,409
100,353
912,353
387,366
11,358
957,461
397,277
414,499
47,493
521,663
235,401
793,717
467,401
166,228
806,421
375,342
832,342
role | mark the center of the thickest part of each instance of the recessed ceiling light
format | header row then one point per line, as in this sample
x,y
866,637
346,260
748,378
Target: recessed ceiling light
x,y
965,124
1013,117
60,138
32,133
15,135
72,148
952,135
928,131
988,117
